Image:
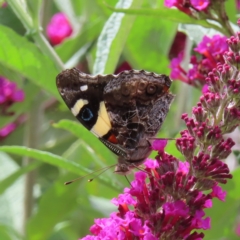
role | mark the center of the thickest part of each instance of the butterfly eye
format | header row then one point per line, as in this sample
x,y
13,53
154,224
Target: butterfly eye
x,y
87,114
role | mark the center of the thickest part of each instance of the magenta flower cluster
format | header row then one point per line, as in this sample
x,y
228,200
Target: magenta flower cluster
x,y
9,94
58,29
210,52
168,198
188,6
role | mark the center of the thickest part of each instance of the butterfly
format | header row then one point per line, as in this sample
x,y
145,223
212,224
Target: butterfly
x,y
124,111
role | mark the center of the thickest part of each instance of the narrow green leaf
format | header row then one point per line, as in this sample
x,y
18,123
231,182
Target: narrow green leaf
x,y
9,19
23,57
43,156
82,133
237,154
9,233
34,7
151,49
21,10
8,181
224,214
55,205
165,13
113,37
231,10
53,160
69,47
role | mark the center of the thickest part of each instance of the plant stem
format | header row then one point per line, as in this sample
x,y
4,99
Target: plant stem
x,y
220,112
36,33
32,135
21,13
48,50
224,20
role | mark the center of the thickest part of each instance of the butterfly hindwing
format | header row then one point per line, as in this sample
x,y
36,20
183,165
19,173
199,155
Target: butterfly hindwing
x,y
137,103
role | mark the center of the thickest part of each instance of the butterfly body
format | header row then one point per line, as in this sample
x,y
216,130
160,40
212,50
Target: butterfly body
x,y
124,111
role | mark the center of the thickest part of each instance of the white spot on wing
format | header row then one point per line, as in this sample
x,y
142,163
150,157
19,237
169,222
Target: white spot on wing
x,y
84,88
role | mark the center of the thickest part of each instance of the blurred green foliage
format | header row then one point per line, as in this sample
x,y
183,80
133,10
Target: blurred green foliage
x,y
65,150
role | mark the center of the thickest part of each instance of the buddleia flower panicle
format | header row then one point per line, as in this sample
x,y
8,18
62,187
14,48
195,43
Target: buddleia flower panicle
x,y
209,52
58,29
9,94
168,200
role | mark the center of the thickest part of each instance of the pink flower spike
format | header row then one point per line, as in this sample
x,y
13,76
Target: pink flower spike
x,y
58,29
214,46
208,203
4,4
170,3
151,164
199,223
183,167
125,198
7,129
218,193
238,229
178,208
18,96
205,89
159,144
140,176
200,4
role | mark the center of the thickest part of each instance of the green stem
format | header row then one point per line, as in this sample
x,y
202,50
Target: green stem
x,y
36,33
219,115
21,14
32,136
219,29
224,20
48,50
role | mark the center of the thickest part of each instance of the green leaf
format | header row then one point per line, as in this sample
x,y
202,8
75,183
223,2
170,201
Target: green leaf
x,y
164,13
71,46
66,6
224,214
56,204
172,149
151,49
53,160
34,7
113,37
8,181
9,19
21,10
8,233
99,154
231,10
19,55
237,154
43,156
82,133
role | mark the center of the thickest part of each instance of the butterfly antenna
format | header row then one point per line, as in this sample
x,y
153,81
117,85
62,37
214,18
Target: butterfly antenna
x,y
90,180
104,170
152,138
141,169
128,180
